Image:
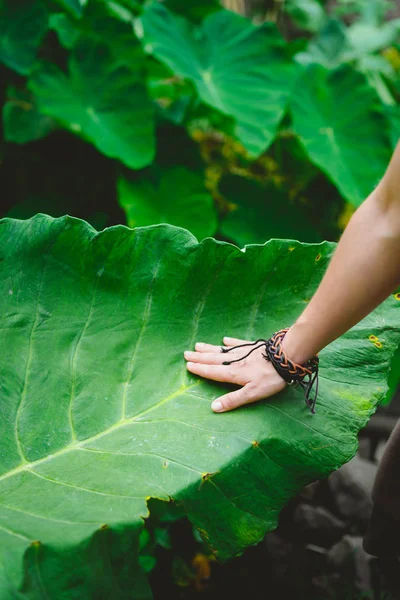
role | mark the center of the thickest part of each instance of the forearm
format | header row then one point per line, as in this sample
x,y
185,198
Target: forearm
x,y
363,271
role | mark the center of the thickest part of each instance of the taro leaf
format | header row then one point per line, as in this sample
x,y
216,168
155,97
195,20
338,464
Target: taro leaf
x,y
23,23
67,29
365,38
179,198
195,10
97,23
22,120
393,116
307,14
328,47
394,378
172,96
239,69
101,100
74,7
261,214
99,413
335,117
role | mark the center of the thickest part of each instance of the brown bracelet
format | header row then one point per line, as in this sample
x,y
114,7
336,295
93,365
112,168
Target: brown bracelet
x,y
290,371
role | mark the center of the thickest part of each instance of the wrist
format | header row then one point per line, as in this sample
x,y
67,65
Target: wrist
x,y
295,344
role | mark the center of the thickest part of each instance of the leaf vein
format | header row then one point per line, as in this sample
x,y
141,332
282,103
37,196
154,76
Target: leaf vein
x,y
77,487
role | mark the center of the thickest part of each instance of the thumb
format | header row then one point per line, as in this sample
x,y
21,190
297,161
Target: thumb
x,y
244,395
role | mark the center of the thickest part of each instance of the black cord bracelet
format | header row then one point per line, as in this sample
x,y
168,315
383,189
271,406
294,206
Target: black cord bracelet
x,y
303,375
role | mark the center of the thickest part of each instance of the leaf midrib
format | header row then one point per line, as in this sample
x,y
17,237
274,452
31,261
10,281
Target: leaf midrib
x,y
78,444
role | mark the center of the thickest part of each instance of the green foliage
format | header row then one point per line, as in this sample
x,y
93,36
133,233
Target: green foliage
x,y
261,213
74,7
117,71
307,14
228,54
23,23
393,114
101,100
22,119
195,10
179,198
101,413
123,111
358,44
338,141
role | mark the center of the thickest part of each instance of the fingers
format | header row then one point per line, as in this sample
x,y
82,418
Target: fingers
x,y
244,395
228,341
223,373
202,347
209,358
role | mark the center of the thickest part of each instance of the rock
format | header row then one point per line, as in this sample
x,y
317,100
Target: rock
x,y
280,552
364,448
377,432
349,558
309,492
351,486
316,525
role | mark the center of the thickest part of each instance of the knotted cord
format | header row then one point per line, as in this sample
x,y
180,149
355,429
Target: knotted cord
x,y
290,371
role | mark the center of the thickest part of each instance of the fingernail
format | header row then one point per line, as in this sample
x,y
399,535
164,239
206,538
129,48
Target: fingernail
x,y
216,405
187,353
190,364
199,344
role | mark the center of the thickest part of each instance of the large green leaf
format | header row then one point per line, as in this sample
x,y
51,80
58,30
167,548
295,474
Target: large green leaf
x,y
101,100
99,412
261,213
22,26
239,69
179,198
335,117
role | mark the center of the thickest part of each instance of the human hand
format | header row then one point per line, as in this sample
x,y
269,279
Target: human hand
x,y
257,376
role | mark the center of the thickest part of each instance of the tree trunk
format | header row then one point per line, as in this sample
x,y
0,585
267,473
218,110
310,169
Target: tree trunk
x,y
239,6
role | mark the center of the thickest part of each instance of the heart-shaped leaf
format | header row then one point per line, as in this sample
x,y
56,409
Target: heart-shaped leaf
x,y
22,26
335,116
102,100
239,69
179,198
99,412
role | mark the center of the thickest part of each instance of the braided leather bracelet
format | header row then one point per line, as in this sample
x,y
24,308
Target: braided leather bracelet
x,y
291,372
